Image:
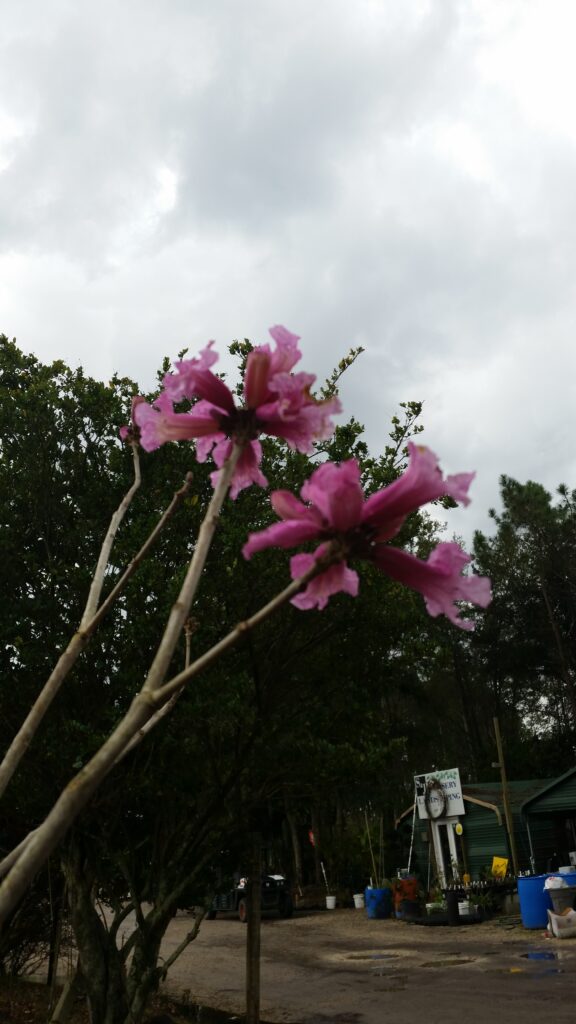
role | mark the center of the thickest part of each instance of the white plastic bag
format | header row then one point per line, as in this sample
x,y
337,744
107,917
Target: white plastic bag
x,y
555,882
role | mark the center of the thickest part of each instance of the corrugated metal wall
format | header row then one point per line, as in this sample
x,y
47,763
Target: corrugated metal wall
x,y
543,833
544,815
561,798
484,838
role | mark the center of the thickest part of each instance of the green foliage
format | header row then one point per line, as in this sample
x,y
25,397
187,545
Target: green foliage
x,y
313,711
25,942
330,387
527,639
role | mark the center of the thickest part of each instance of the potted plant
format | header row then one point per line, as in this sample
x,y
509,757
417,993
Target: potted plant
x,y
407,897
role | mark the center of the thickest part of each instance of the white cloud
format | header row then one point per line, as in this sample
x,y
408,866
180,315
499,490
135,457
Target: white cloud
x,y
393,173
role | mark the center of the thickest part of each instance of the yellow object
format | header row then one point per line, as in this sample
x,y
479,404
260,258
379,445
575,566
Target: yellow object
x,y
458,829
499,866
466,878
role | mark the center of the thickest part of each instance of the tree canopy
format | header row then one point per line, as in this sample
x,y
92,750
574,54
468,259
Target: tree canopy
x,y
310,718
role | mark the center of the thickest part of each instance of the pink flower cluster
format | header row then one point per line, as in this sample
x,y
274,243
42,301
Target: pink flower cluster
x,y
276,401
335,511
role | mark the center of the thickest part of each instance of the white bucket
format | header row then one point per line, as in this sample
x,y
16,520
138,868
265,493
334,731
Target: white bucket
x,y
330,903
358,898
464,908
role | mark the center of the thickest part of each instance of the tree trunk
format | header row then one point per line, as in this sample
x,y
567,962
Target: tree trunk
x,y
253,932
117,995
101,964
144,976
316,830
296,848
565,669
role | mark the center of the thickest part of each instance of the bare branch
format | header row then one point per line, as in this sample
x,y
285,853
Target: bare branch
x,y
175,684
104,558
79,790
189,627
12,857
119,917
28,729
181,608
149,725
188,938
147,545
88,625
144,706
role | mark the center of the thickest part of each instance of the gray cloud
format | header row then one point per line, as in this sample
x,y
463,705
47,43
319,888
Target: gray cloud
x,y
368,174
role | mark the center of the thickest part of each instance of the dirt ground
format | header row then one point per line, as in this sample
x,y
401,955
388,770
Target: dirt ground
x,y
340,967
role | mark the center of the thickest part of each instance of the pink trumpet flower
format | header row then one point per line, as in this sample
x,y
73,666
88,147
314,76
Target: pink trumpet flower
x,y
334,509
276,402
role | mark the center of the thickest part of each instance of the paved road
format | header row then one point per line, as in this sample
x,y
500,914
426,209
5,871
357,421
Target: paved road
x,y
342,968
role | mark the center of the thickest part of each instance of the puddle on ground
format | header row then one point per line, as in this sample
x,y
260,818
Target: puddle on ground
x,y
507,970
450,962
396,982
527,972
372,956
204,1015
539,954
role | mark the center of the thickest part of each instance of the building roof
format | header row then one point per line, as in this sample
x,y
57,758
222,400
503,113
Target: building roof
x,y
549,794
489,794
519,792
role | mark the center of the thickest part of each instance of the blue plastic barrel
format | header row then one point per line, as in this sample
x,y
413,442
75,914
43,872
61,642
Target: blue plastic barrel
x,y
534,901
378,902
568,876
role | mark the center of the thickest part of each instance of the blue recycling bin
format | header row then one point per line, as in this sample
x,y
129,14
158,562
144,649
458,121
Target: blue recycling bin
x,y
378,902
535,900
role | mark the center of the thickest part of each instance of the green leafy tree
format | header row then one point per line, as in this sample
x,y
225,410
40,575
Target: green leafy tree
x,y
526,642
292,714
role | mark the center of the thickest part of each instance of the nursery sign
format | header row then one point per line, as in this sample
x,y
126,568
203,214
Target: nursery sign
x,y
439,794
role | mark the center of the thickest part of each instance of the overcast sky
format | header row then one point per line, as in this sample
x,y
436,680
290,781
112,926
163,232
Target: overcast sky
x,y
399,174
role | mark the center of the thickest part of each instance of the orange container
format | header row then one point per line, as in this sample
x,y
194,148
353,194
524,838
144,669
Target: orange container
x,y
405,889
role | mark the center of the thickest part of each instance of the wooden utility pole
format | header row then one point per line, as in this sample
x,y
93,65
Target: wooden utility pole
x,y
505,795
253,932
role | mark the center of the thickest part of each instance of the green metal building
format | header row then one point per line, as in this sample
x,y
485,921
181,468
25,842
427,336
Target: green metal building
x,y
483,830
550,818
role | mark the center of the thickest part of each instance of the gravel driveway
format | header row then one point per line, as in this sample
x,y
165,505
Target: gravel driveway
x,y
339,967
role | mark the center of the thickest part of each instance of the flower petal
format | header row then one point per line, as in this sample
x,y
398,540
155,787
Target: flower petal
x,y
296,416
335,580
457,486
257,377
336,492
281,535
439,579
422,482
287,352
263,366
194,378
288,506
247,471
158,423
